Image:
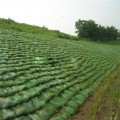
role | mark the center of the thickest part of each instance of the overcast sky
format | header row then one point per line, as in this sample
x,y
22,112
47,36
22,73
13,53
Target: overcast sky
x,y
61,14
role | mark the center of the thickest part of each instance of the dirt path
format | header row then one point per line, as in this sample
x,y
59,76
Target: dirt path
x,y
109,107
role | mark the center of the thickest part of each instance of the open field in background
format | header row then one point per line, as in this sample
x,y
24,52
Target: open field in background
x,y
44,77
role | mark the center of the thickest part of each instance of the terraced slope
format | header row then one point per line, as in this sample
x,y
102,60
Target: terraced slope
x,y
45,77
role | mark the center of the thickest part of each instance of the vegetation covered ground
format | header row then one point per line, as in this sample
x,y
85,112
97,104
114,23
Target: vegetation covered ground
x,y
110,102
104,103
45,77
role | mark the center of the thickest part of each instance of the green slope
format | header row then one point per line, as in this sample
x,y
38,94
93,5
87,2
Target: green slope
x,y
22,27
44,77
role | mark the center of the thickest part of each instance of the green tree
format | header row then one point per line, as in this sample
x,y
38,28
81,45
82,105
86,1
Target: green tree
x,y
86,29
102,33
112,33
89,29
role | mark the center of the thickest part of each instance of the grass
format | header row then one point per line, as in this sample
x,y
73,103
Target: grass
x,y
112,42
22,27
108,98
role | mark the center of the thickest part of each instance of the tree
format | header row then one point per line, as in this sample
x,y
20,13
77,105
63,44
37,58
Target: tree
x,y
112,33
118,34
102,33
89,29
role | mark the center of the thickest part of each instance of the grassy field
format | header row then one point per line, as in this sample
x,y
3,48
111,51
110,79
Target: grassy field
x,y
45,77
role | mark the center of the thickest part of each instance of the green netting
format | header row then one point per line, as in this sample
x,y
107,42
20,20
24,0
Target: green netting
x,y
43,77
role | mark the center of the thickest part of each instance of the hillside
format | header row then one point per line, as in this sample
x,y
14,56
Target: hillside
x,y
46,77
22,27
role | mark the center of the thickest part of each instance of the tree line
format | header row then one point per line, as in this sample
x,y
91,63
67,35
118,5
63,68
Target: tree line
x,y
89,29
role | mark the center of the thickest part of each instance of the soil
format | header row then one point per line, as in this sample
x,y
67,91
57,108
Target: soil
x,y
108,109
82,113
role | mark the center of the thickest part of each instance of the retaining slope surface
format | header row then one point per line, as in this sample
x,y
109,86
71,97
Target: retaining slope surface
x,y
44,77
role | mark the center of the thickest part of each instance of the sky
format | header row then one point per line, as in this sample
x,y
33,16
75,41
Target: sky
x,y
61,14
